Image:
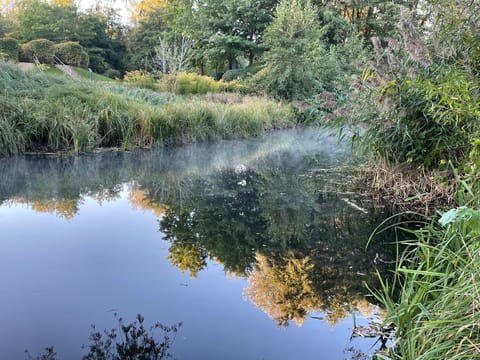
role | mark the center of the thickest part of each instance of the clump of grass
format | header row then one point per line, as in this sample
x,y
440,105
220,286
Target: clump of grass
x,y
202,119
436,312
40,112
142,95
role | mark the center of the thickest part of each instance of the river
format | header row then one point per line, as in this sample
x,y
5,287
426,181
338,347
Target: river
x,y
256,246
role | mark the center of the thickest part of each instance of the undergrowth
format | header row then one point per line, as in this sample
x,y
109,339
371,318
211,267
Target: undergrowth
x,y
41,112
434,300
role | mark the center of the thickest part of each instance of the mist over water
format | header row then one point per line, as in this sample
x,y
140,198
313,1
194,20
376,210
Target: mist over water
x,y
251,244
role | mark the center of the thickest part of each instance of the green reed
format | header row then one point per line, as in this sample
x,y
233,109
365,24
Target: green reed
x,y
42,112
435,306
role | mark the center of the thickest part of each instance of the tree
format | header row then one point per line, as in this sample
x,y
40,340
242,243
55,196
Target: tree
x,y
103,36
222,33
144,39
142,9
295,50
39,19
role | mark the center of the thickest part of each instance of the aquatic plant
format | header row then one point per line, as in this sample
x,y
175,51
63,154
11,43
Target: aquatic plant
x,y
433,301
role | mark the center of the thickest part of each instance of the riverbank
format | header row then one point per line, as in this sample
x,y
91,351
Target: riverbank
x,y
47,113
433,302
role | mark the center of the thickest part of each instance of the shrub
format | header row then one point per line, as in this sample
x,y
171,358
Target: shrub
x,y
433,119
43,49
139,78
190,83
432,302
72,53
9,48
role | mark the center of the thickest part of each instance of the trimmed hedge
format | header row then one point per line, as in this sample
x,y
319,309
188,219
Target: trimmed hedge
x,y
72,53
44,50
9,49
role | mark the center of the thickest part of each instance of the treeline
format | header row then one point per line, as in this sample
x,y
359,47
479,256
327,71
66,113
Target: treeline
x,y
406,70
210,37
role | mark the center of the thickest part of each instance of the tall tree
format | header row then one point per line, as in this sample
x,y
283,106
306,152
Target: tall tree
x,y
144,38
104,37
39,19
295,49
141,10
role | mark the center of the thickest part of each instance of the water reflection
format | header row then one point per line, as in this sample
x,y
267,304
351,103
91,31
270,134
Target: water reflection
x,y
272,212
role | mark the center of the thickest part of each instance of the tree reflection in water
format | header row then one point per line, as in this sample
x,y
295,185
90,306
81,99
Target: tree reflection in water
x,y
273,216
302,249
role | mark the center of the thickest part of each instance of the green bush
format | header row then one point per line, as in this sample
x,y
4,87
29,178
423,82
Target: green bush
x,y
72,53
9,48
140,79
190,83
43,49
433,120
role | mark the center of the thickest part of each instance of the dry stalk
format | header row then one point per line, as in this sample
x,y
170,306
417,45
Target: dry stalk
x,y
405,189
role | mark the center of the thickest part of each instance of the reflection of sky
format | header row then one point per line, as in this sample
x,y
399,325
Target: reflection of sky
x,y
59,276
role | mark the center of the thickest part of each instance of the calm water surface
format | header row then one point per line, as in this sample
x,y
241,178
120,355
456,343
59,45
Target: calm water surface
x,y
254,245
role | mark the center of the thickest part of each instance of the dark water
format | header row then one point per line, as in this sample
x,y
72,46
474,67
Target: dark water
x,y
256,246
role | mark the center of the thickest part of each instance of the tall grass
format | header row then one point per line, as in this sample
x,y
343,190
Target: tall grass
x,y
436,312
40,112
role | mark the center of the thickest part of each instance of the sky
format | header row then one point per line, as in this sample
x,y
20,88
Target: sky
x,y
121,5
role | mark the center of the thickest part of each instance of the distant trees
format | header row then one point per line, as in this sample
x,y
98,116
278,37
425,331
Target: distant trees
x,y
98,30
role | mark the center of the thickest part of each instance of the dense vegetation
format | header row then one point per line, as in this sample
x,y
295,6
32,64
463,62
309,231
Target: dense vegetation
x,y
51,113
402,75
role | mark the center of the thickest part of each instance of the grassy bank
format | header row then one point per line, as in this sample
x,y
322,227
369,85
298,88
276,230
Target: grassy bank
x,y
435,303
43,112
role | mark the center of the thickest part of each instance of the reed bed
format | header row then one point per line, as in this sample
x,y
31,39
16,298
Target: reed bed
x,y
434,301
41,112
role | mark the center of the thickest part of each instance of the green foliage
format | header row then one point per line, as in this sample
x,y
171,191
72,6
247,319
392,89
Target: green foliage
x,y
183,122
43,49
421,108
241,74
6,24
43,112
10,48
144,39
72,53
87,75
434,310
39,19
432,120
101,33
113,73
191,83
294,52
225,31
139,79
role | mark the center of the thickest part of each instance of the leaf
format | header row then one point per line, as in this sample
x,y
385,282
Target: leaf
x,y
448,217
